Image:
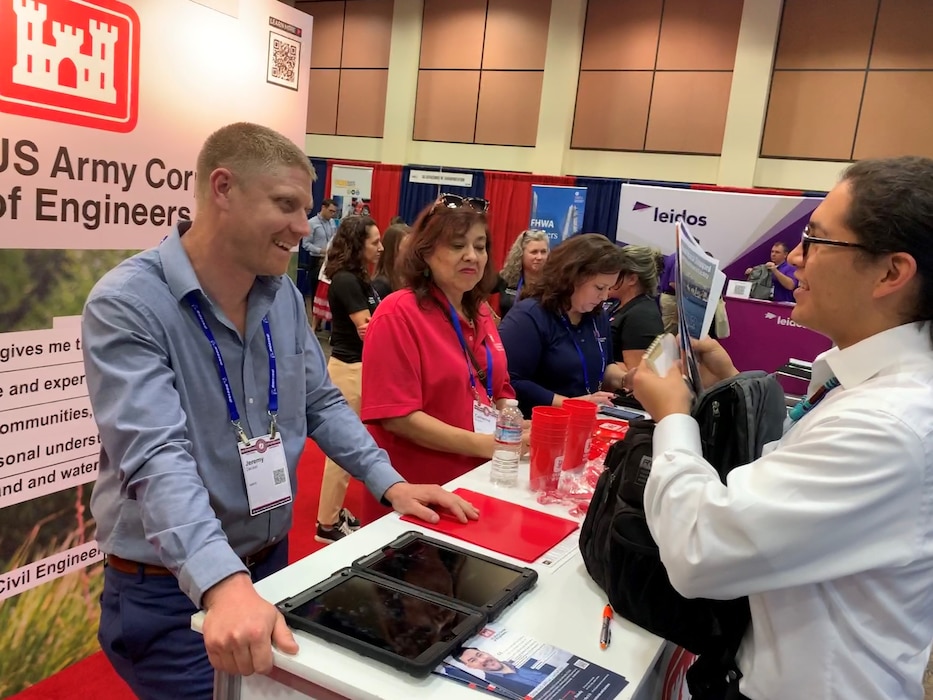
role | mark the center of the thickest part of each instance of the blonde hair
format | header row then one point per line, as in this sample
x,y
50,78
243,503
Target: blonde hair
x,y
645,263
247,149
512,269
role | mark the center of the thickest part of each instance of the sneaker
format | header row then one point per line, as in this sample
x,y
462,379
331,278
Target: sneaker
x,y
332,534
351,521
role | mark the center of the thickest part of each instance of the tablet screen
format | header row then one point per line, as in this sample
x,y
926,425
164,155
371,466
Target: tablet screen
x,y
449,573
391,620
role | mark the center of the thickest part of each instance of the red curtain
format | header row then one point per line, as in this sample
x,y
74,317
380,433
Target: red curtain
x,y
509,196
385,191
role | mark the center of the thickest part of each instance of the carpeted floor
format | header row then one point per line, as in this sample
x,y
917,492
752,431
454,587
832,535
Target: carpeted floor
x,y
94,678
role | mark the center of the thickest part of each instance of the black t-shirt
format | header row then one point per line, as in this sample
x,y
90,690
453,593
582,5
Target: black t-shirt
x,y
382,286
347,295
635,325
507,296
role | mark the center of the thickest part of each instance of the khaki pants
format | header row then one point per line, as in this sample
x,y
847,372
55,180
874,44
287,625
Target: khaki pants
x,y
348,378
669,313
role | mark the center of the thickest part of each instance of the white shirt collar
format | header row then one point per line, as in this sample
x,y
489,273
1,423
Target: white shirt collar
x,y
867,358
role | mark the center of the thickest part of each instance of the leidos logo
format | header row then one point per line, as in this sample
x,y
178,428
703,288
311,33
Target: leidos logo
x,y
669,217
781,321
71,61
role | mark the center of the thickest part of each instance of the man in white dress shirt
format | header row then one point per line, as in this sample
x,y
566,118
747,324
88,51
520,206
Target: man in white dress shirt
x,y
830,533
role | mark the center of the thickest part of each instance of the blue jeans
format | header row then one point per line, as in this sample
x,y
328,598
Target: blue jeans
x,y
145,632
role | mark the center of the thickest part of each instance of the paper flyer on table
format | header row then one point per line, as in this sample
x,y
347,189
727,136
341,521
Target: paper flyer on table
x,y
513,666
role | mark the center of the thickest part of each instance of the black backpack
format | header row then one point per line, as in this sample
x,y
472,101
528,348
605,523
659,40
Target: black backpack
x,y
737,417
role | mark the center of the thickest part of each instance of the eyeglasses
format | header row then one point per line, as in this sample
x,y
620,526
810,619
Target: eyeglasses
x,y
806,240
455,201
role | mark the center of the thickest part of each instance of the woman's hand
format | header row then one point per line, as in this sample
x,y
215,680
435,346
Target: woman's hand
x,y
600,398
713,361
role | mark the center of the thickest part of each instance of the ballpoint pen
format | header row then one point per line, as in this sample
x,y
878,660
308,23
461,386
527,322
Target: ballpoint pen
x,y
604,634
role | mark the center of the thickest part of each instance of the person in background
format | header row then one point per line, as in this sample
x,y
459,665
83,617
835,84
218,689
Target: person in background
x,y
434,369
557,338
181,528
397,221
321,315
783,280
636,322
312,250
667,299
830,532
356,248
387,277
522,267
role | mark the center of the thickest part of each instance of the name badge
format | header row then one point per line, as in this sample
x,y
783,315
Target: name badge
x,y
484,418
265,471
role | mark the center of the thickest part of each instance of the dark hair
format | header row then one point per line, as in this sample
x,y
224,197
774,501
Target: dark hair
x,y
438,226
389,262
346,250
569,264
328,203
397,220
783,245
892,211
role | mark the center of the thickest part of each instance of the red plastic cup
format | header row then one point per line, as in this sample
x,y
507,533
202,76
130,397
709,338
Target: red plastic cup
x,y
579,432
545,466
549,416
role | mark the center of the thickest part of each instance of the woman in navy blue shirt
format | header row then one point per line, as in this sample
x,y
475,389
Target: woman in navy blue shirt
x,y
557,338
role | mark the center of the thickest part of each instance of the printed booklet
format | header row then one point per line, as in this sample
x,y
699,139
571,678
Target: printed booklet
x,y
509,665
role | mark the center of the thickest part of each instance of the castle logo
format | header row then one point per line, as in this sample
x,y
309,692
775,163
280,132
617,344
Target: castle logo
x,y
71,61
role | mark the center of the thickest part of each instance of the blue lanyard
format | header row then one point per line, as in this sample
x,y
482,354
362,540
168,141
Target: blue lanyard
x,y
521,283
804,406
225,380
602,354
455,321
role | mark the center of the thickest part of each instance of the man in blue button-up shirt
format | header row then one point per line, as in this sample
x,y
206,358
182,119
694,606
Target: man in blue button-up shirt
x,y
170,500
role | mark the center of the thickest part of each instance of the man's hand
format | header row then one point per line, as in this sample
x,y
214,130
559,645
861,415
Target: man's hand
x,y
240,628
662,396
414,499
770,265
713,361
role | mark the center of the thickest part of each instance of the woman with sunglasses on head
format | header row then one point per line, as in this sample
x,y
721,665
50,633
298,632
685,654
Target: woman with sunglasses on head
x,y
522,267
387,277
434,370
558,339
355,248
635,318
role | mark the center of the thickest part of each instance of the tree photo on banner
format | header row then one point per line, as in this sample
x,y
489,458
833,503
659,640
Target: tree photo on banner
x,y
97,161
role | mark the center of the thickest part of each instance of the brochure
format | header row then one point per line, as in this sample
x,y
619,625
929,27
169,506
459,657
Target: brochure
x,y
700,284
513,666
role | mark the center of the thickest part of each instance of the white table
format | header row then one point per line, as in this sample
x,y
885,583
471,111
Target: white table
x,y
564,610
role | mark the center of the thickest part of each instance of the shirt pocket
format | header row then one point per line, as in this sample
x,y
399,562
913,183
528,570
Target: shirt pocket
x,y
292,390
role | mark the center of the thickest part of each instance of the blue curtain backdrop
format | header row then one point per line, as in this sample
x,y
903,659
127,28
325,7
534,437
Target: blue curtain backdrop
x,y
602,205
415,196
318,188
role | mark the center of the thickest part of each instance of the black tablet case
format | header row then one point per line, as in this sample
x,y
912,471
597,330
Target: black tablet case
x,y
477,615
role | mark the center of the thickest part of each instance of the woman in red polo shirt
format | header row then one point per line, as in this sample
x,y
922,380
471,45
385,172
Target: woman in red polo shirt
x,y
434,369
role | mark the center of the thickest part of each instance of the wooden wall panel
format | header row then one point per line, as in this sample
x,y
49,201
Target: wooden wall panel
x,y
812,114
326,33
688,112
516,35
361,106
895,118
509,102
322,101
445,105
699,35
367,34
826,34
612,110
452,34
904,36
621,34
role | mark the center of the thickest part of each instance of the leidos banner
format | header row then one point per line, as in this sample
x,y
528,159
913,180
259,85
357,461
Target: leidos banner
x,y
104,104
733,227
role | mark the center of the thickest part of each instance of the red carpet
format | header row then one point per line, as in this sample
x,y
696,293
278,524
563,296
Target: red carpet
x,y
94,677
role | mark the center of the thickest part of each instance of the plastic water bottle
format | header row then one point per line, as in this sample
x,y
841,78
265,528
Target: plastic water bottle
x,y
508,445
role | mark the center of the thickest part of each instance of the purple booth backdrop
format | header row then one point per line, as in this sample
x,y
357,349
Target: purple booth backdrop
x,y
764,337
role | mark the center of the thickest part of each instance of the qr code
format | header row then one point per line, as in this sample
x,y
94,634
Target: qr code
x,y
580,663
278,476
284,60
